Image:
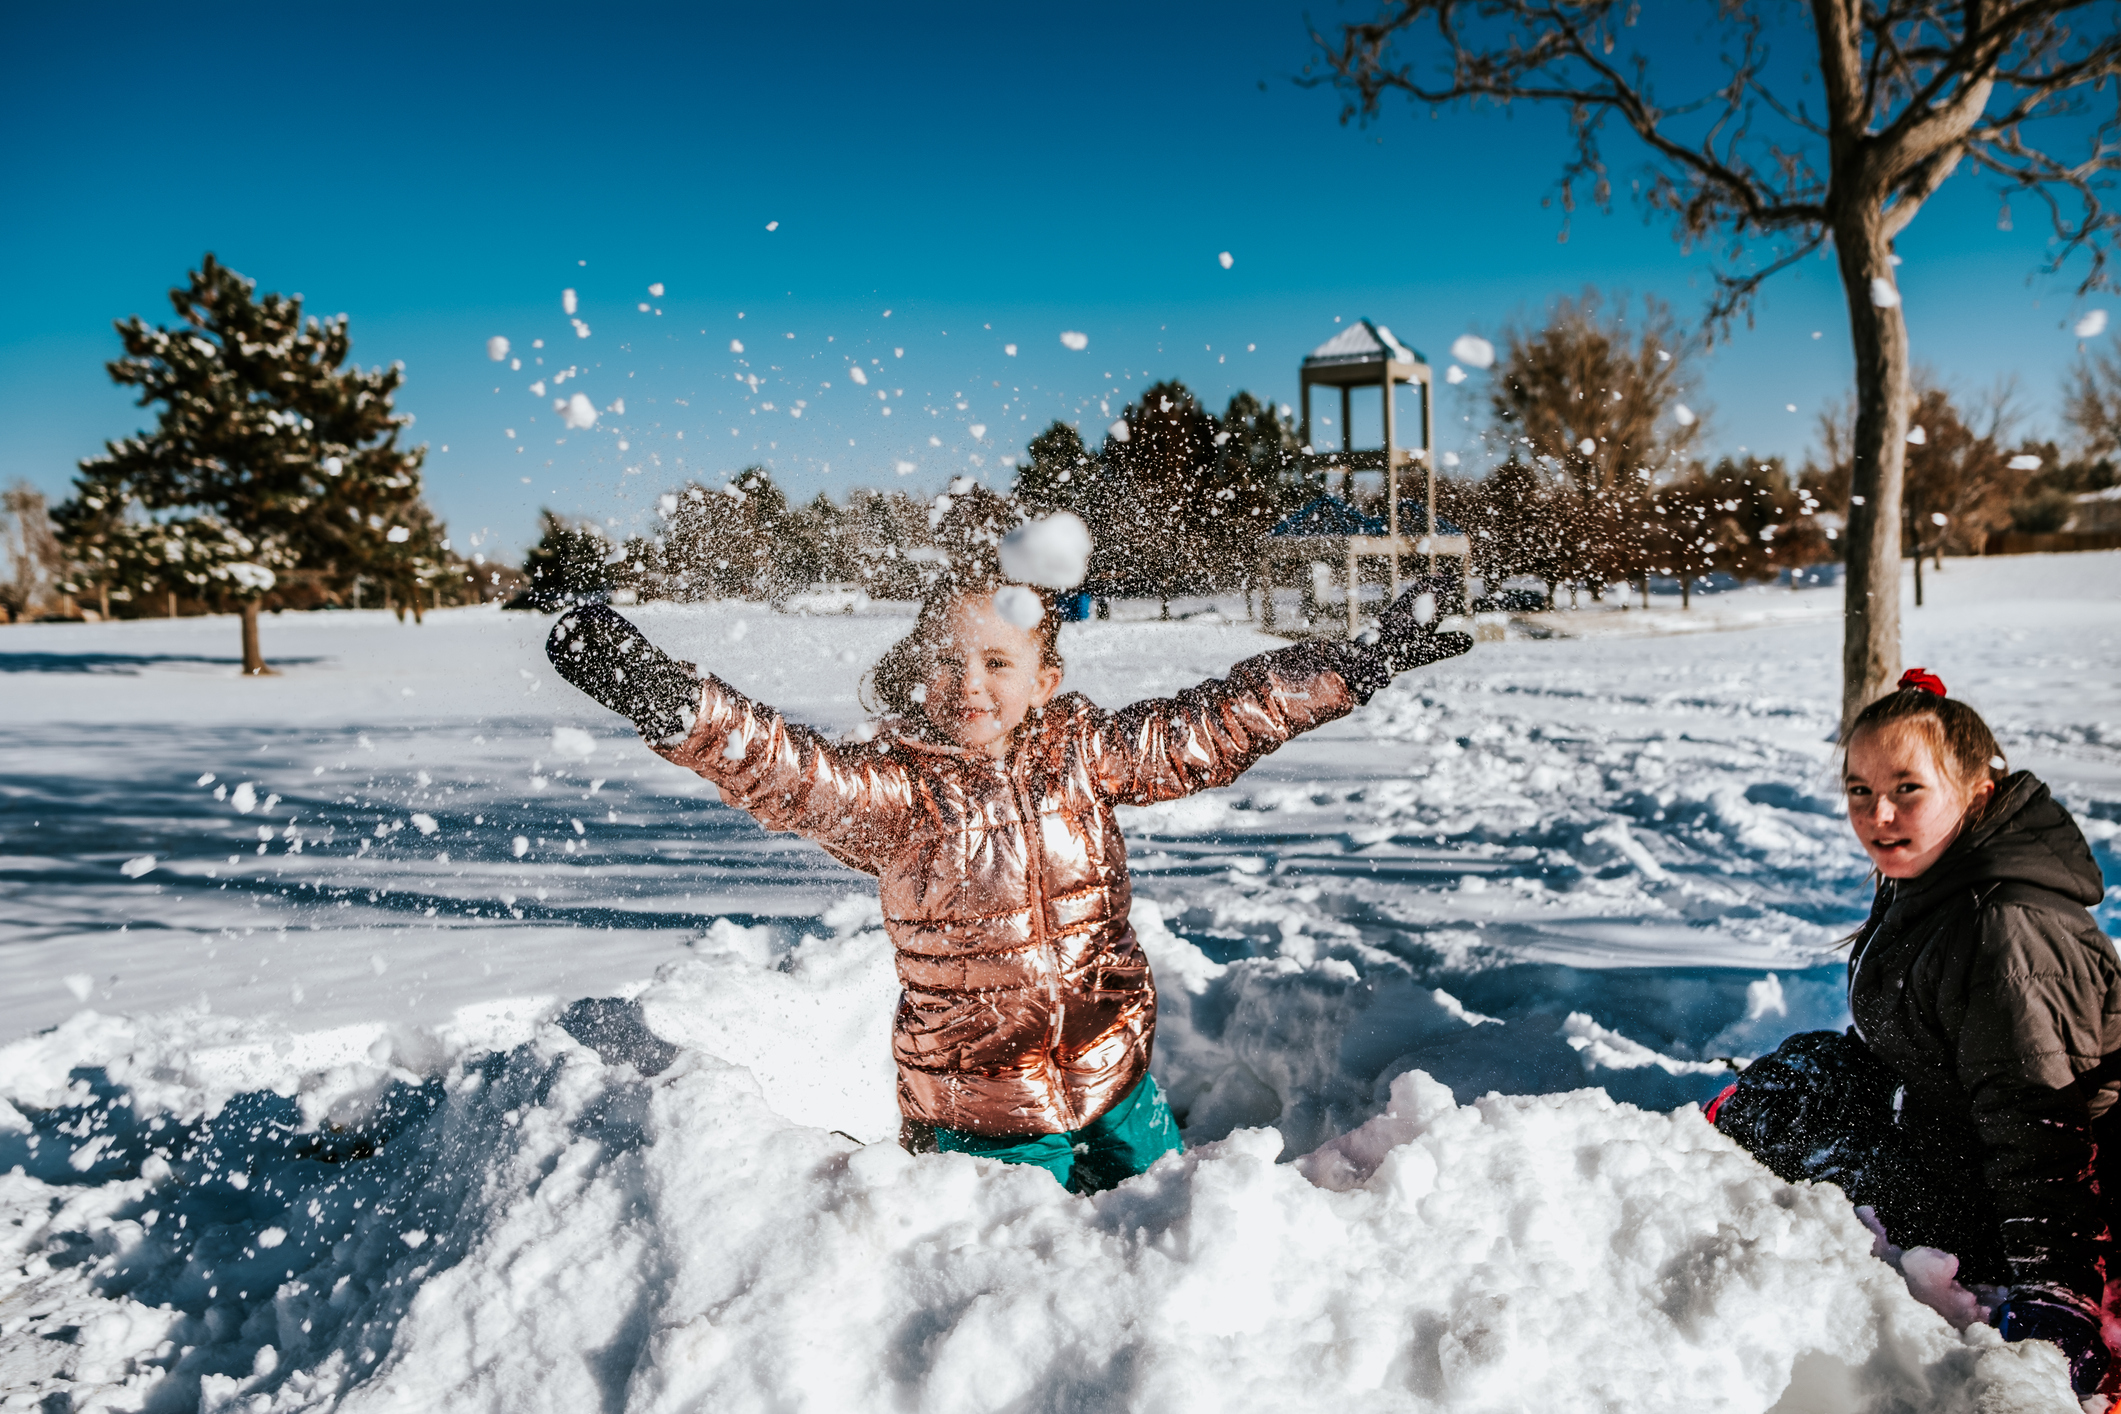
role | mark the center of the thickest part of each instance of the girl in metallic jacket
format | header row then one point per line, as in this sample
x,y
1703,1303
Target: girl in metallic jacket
x,y
984,808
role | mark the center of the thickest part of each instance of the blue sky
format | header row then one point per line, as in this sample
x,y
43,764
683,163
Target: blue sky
x,y
989,175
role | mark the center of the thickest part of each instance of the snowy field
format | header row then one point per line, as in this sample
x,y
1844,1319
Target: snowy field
x,y
397,1033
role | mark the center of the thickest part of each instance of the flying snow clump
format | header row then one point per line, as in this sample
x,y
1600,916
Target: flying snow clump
x,y
978,431
567,302
1052,552
773,225
1916,437
497,348
1587,446
425,823
736,346
2025,461
903,468
134,868
1454,374
1019,605
1225,260
1119,430
854,371
397,535
1883,295
577,411
1009,349
655,290
331,466
1474,350
1073,340
2092,325
1683,415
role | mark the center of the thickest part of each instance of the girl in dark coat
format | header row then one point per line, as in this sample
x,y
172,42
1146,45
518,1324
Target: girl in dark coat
x,y
1967,1103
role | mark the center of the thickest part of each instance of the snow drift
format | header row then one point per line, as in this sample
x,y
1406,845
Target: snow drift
x,y
601,1216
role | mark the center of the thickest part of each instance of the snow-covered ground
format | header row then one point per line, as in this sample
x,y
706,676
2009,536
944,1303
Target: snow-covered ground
x,y
311,1099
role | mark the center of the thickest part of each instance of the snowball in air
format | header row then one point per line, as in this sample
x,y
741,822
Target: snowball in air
x,y
2092,325
1225,260
397,535
1683,415
1052,552
134,868
773,225
1019,605
331,466
497,348
1916,437
567,301
854,371
573,742
1073,340
2025,461
578,412
1883,295
1474,350
1009,349
1450,459
1587,446
1454,374
978,431
656,289
736,346
1119,430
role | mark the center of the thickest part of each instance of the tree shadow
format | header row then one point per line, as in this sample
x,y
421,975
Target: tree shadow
x,y
128,664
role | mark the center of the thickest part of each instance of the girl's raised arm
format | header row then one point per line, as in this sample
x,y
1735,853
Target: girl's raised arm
x,y
854,800
1208,736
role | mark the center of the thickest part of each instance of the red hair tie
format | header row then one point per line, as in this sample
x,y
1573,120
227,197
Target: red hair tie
x,y
1924,679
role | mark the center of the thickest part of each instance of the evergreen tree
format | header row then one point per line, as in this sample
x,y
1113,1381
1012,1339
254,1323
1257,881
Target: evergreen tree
x,y
566,566
272,454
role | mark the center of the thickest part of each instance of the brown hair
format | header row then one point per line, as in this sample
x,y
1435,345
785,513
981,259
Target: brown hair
x,y
1957,736
910,662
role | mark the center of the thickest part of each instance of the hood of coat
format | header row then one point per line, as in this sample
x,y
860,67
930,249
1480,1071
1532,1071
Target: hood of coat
x,y
2025,837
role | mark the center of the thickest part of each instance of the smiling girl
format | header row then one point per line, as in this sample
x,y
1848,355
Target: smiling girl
x,y
984,807
1972,1104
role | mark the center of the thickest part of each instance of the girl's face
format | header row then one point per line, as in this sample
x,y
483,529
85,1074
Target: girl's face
x,y
987,677
1905,807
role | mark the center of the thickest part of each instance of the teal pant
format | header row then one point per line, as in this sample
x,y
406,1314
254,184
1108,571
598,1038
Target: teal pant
x,y
1118,1144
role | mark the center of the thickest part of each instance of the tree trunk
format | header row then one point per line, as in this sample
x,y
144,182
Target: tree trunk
x,y
103,598
1686,591
253,660
172,603
1870,644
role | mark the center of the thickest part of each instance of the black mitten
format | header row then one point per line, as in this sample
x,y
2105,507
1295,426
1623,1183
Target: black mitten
x,y
594,648
1405,638
2071,1324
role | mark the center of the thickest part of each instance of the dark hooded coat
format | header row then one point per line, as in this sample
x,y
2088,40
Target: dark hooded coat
x,y
1986,988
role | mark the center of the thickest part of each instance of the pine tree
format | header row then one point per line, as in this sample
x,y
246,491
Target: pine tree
x,y
272,455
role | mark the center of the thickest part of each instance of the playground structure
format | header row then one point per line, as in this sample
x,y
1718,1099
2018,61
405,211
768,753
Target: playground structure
x,y
1333,530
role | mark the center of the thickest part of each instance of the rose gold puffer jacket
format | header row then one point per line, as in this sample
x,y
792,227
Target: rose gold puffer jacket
x,y
1027,1007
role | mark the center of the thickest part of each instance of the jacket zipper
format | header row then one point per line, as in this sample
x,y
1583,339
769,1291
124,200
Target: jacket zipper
x,y
1035,879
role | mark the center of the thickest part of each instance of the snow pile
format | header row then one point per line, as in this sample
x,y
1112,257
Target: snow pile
x,y
602,1215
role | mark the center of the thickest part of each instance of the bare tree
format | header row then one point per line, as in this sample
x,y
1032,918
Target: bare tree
x,y
2092,403
34,559
1911,89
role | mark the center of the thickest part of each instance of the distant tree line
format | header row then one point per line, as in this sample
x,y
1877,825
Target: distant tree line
x,y
1176,500
1597,484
